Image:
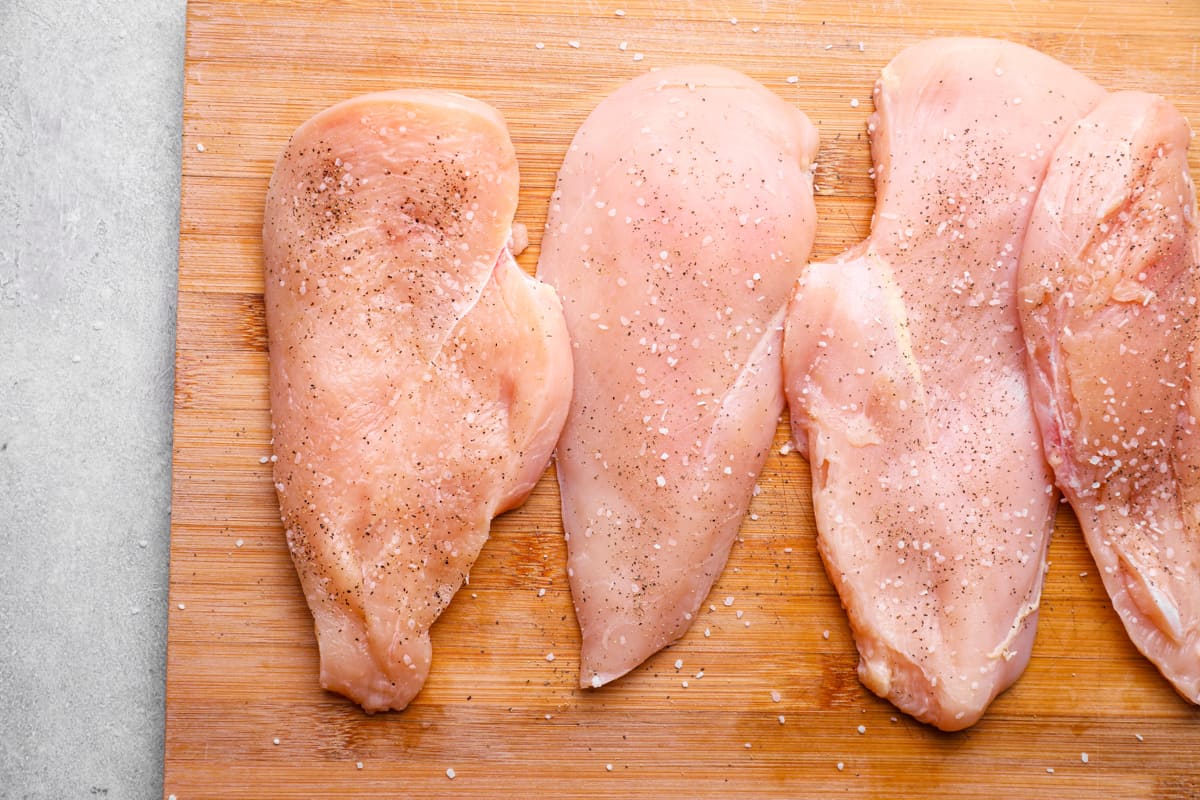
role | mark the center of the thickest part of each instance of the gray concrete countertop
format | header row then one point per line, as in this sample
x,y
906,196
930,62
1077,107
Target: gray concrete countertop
x,y
91,95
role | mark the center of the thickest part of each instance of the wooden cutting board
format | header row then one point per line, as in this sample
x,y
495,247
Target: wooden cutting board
x,y
778,710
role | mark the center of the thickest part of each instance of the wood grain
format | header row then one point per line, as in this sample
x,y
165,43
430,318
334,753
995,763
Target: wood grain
x,y
242,661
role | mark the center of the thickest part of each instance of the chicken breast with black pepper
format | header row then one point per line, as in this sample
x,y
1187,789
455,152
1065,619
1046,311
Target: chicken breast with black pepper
x,y
419,378
905,376
681,218
1109,280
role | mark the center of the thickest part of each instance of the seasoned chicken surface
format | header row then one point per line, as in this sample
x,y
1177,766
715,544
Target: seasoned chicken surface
x,y
1108,281
905,377
682,215
419,379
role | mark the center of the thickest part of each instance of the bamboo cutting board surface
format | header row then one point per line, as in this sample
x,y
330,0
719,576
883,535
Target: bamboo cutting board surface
x,y
778,709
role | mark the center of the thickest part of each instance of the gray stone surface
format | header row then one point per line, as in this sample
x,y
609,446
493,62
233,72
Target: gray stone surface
x,y
90,119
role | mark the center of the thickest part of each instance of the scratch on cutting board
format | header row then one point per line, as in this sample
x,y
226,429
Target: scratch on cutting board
x,y
440,6
1087,55
896,6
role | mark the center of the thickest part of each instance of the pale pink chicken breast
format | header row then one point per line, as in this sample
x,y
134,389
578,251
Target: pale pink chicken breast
x,y
1108,283
419,379
905,376
682,215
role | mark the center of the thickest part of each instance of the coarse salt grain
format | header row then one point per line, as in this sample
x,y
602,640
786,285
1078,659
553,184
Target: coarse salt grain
x,y
638,56
782,719
862,729
679,663
264,459
1050,770
728,601
775,696
824,634
358,765
1083,757
620,12
540,45
275,741
182,606
549,656
574,43
199,147
854,102
793,78
450,773
840,766
596,682
608,767
238,543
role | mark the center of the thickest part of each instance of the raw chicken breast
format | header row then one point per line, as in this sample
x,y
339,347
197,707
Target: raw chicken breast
x,y
682,215
905,376
1108,286
419,379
